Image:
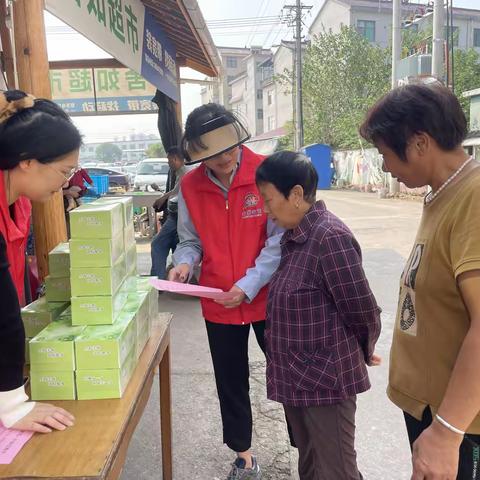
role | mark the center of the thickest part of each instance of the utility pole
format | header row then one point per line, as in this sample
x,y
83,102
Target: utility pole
x,y
438,69
394,186
296,19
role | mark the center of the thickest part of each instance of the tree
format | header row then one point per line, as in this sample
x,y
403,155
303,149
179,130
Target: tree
x,y
108,152
466,75
155,150
343,76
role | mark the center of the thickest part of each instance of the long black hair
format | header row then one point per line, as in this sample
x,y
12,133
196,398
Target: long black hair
x,y
40,131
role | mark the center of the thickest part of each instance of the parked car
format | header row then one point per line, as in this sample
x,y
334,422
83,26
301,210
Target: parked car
x,y
115,178
152,171
131,171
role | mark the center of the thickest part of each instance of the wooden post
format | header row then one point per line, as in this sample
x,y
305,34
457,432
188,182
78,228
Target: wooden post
x,y
7,45
32,70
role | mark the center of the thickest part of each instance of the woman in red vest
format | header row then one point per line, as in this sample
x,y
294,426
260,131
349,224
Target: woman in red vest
x,y
221,223
39,148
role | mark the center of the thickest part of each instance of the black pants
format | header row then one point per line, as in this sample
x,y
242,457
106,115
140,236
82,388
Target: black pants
x,y
469,464
229,349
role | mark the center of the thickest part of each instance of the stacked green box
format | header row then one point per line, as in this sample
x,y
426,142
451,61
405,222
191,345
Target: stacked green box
x,y
97,310
96,252
98,281
125,202
142,284
131,260
106,357
96,221
58,289
59,261
138,304
38,314
52,362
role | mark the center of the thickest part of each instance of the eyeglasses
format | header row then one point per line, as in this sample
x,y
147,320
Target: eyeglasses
x,y
67,176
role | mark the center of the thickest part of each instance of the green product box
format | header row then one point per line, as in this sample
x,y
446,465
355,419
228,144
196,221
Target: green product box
x,y
57,289
129,236
125,202
106,346
52,385
96,252
27,351
136,283
38,314
131,260
107,383
66,315
139,303
53,348
97,310
95,281
96,221
59,261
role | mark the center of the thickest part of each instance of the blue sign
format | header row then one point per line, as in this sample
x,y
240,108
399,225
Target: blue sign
x,y
159,58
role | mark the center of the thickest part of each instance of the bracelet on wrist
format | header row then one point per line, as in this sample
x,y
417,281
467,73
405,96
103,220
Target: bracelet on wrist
x,y
448,425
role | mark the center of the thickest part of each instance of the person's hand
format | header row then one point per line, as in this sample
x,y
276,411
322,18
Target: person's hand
x,y
73,192
159,203
179,273
44,418
235,301
375,361
435,454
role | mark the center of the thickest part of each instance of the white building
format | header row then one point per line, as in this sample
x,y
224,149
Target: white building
x,y
247,90
220,90
373,20
133,148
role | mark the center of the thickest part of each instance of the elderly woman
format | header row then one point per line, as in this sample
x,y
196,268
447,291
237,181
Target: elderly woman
x,y
322,322
435,356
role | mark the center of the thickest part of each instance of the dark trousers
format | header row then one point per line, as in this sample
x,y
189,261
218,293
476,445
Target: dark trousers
x,y
469,462
325,437
164,241
229,349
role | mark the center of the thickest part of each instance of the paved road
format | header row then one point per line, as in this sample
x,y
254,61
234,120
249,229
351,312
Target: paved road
x,y
385,230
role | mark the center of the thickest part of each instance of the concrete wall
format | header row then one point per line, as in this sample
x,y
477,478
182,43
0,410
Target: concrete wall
x,y
331,17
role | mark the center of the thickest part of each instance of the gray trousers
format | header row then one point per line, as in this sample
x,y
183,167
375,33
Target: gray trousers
x,y
325,437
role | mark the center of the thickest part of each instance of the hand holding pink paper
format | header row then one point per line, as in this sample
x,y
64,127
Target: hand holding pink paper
x,y
192,290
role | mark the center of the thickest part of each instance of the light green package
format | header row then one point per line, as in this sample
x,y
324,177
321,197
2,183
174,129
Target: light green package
x,y
52,385
125,202
138,303
53,348
108,383
134,284
97,310
66,315
96,252
27,351
106,346
129,236
38,314
93,281
59,261
57,289
96,221
131,260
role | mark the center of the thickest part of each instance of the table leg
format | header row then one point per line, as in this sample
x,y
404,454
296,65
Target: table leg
x,y
166,415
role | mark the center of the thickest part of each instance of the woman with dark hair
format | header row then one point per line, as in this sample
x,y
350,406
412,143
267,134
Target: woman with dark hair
x,y
435,356
322,321
221,222
39,149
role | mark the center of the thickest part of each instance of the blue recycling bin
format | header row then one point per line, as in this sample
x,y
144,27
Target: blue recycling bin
x,y
321,157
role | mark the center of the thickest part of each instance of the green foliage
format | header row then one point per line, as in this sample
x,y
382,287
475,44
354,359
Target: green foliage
x,y
466,75
343,75
108,152
155,150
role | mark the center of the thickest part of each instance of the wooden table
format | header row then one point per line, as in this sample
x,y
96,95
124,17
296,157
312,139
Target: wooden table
x,y
96,447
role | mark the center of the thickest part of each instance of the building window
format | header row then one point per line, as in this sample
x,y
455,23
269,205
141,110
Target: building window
x,y
456,35
260,114
270,123
232,62
366,28
259,94
476,37
270,97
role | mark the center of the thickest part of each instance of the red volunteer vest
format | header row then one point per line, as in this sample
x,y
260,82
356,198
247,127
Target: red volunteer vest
x,y
232,232
15,232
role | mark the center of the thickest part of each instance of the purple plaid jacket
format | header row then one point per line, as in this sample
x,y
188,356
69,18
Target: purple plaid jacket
x,y
323,320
